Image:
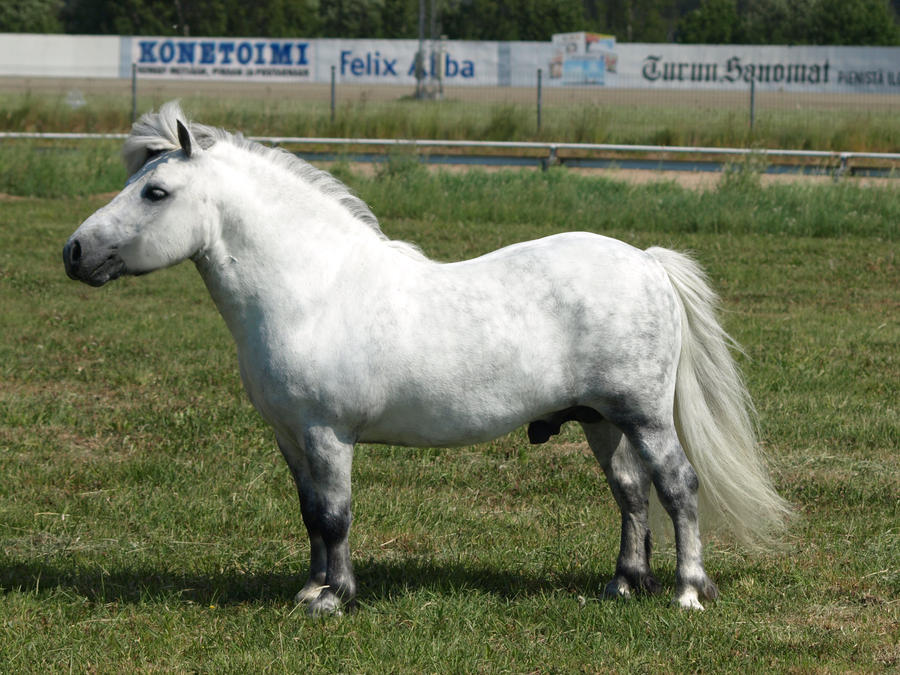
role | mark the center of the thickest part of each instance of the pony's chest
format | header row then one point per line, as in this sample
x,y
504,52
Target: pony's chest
x,y
265,384
290,381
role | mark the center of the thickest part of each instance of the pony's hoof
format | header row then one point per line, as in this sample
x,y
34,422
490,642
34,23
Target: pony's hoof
x,y
309,592
325,604
710,591
647,583
617,589
623,586
689,593
688,600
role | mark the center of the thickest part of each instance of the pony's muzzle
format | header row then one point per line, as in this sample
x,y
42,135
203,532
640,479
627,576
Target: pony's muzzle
x,y
93,265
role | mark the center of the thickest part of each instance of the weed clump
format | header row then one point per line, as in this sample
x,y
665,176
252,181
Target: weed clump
x,y
745,175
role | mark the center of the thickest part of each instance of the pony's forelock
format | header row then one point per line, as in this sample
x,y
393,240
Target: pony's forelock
x,y
152,134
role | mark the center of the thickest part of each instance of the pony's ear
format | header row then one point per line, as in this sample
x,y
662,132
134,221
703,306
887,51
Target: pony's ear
x,y
186,139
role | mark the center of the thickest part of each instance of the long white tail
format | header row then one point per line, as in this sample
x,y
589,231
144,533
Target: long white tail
x,y
714,416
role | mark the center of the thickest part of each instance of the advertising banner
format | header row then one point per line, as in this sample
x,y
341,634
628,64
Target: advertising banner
x,y
576,60
224,58
355,61
723,67
581,59
394,61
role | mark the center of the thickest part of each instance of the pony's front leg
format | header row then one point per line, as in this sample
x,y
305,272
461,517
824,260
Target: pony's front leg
x,y
318,559
321,467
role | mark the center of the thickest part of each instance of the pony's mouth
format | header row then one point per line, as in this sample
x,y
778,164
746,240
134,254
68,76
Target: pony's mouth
x,y
109,269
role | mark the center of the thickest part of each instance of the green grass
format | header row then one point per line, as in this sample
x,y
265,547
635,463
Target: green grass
x,y
615,119
39,169
148,523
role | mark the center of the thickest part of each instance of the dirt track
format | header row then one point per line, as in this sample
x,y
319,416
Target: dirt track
x,y
694,180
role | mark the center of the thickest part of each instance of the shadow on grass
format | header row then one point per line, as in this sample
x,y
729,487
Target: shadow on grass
x,y
378,580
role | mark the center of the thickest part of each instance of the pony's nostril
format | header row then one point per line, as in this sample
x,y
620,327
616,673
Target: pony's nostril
x,y
72,258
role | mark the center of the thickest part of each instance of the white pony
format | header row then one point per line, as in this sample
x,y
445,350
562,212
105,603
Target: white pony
x,y
344,336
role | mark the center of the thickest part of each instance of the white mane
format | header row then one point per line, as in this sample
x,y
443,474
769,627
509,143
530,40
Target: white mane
x,y
155,133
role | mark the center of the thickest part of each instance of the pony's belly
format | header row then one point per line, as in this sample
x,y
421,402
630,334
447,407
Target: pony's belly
x,y
427,430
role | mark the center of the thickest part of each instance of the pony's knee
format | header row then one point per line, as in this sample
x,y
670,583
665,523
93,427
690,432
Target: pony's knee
x,y
629,481
333,522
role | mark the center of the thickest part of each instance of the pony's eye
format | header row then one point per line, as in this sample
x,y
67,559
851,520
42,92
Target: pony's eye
x,y
154,193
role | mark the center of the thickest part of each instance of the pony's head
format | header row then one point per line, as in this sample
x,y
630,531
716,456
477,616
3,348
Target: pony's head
x,y
158,219
184,181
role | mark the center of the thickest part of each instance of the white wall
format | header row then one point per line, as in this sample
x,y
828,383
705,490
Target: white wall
x,y
26,55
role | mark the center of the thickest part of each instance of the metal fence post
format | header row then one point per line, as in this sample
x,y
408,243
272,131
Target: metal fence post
x,y
420,55
133,92
332,94
752,103
539,74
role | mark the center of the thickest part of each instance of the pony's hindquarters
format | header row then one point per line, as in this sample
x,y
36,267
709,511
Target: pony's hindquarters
x,y
713,416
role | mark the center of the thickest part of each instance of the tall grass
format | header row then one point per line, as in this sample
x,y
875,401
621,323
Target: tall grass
x,y
41,169
556,200
560,200
607,122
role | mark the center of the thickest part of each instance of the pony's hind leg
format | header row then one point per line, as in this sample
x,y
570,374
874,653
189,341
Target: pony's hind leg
x,y
630,485
676,485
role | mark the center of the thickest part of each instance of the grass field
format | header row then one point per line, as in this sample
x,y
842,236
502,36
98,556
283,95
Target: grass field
x,y
147,522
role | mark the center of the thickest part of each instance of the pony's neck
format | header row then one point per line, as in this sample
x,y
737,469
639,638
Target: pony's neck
x,y
280,245
268,210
